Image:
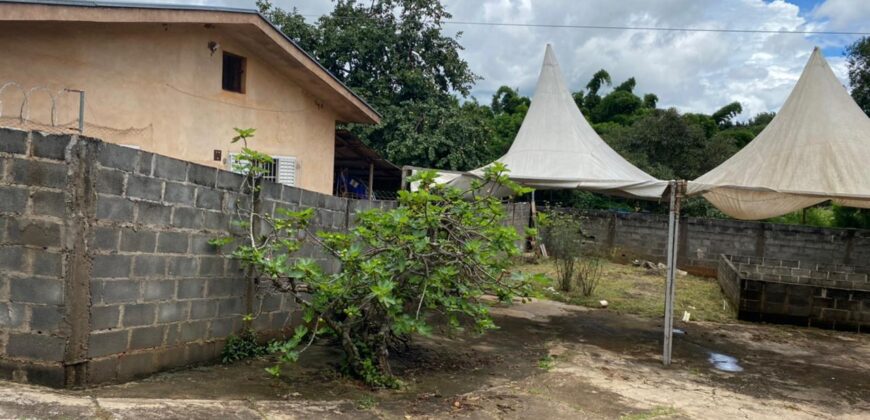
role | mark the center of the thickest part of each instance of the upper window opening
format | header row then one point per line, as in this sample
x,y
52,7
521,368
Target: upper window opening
x,y
234,73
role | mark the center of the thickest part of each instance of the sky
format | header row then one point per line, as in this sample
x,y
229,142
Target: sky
x,y
692,71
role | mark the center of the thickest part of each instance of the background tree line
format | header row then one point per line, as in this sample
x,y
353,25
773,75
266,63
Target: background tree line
x,y
395,54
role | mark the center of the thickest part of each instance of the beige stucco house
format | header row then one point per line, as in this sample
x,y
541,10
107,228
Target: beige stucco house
x,y
175,80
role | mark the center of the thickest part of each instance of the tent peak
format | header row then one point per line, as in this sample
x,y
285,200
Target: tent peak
x,y
550,56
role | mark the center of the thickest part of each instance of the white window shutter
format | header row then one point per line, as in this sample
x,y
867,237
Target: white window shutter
x,y
231,160
286,170
286,173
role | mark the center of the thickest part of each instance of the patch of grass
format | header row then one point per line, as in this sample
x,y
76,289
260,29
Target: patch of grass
x,y
547,363
630,289
366,402
653,413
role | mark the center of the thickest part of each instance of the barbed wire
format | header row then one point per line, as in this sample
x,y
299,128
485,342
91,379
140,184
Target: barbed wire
x,y
21,108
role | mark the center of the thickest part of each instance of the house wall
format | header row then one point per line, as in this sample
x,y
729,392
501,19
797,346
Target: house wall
x,y
159,87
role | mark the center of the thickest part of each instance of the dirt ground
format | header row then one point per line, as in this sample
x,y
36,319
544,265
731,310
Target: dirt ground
x,y
549,360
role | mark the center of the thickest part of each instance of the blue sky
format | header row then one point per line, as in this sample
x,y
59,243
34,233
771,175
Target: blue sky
x,y
694,71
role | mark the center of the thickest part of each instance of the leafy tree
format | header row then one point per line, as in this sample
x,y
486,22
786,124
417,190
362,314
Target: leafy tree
x,y
626,86
509,109
725,114
739,136
430,134
599,79
665,144
650,100
396,56
507,100
579,97
292,24
761,119
618,106
849,217
592,98
706,122
858,63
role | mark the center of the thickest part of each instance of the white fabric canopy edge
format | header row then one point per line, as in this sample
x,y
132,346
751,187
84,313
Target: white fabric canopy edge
x,y
816,149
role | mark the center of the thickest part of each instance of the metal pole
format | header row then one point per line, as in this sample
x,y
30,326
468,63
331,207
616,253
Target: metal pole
x,y
533,212
371,180
81,111
673,228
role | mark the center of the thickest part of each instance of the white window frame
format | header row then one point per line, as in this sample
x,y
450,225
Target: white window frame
x,y
287,172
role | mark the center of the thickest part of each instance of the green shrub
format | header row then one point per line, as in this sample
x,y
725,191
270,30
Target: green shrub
x,y
576,261
439,252
242,346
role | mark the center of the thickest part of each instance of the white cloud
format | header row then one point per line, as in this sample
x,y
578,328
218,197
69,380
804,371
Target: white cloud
x,y
844,15
693,71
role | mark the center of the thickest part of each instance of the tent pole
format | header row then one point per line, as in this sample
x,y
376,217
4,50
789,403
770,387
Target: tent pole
x,y
371,180
533,212
673,228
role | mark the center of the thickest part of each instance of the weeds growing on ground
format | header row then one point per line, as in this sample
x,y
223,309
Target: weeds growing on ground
x,y
242,346
547,363
630,289
366,402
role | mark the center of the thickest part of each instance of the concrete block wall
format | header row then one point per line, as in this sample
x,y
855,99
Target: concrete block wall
x,y
160,295
106,273
775,290
34,256
628,236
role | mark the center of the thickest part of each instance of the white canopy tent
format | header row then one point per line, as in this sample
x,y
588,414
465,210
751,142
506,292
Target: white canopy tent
x,y
817,148
556,148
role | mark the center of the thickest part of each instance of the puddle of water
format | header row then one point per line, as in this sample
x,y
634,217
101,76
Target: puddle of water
x,y
724,362
678,331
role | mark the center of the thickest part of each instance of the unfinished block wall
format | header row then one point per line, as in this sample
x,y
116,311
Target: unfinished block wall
x,y
35,245
823,295
628,236
106,273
